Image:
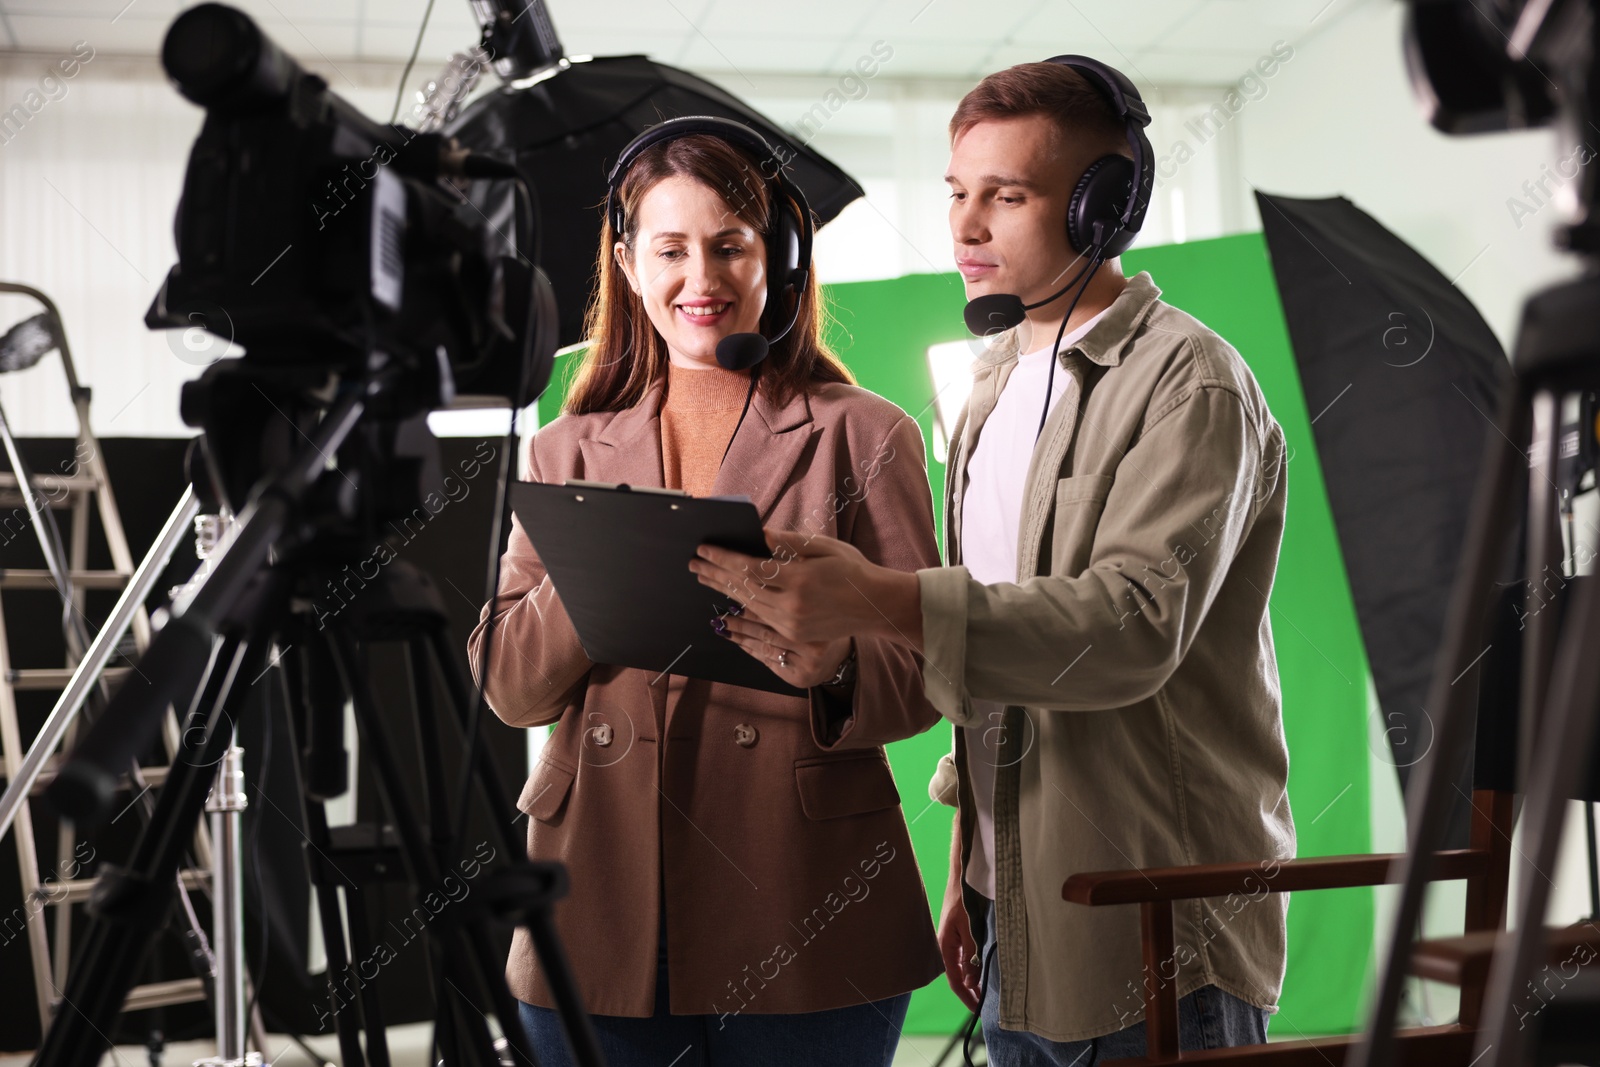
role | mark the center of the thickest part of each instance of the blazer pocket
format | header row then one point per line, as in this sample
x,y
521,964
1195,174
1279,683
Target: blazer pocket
x,y
1079,502
831,788
546,790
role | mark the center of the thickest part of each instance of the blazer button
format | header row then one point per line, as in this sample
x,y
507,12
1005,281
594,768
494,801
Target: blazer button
x,y
744,735
601,735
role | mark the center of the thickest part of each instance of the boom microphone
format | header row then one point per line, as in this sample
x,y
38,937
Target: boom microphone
x,y
996,312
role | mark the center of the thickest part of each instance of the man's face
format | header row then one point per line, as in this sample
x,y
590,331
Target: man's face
x,y
1010,180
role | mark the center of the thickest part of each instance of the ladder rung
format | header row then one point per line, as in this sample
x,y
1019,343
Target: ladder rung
x,y
81,502
159,994
153,776
72,483
12,500
30,578
57,677
77,890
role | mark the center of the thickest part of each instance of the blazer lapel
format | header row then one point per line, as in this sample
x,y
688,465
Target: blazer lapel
x,y
628,450
765,450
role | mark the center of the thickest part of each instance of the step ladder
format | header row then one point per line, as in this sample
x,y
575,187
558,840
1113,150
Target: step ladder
x,y
81,492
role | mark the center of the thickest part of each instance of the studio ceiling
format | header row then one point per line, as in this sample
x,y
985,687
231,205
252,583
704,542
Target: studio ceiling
x,y
1158,42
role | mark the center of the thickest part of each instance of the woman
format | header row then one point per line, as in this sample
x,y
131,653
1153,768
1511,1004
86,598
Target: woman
x,y
743,886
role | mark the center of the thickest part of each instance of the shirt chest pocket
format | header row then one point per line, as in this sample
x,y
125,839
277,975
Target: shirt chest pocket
x,y
1079,503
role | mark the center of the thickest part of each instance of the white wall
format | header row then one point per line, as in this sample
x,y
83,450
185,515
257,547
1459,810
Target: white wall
x,y
87,190
1340,120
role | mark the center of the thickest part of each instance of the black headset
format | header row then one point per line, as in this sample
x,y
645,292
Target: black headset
x,y
788,239
1107,206
1109,202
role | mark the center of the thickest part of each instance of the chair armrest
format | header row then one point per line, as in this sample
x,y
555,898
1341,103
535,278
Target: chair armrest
x,y
1251,879
1464,960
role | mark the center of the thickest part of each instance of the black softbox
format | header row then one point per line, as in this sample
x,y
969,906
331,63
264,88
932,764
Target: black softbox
x,y
567,130
1401,376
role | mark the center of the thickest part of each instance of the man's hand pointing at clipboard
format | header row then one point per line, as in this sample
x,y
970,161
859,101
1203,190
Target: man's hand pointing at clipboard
x,y
814,590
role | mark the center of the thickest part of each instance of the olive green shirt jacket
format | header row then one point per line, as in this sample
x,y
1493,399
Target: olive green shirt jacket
x,y
1133,655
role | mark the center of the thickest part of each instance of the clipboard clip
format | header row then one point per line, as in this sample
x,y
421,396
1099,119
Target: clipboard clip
x,y
581,483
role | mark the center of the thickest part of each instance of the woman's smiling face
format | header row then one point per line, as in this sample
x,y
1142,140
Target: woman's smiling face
x,y
700,269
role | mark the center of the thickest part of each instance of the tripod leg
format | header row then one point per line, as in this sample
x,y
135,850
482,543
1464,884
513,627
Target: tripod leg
x,y
429,744
424,868
494,794
300,698
371,1012
580,1031
129,903
1565,747
471,1040
488,774
1433,781
1543,551
429,752
505,1005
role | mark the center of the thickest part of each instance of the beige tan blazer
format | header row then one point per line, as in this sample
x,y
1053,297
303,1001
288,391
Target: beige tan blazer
x,y
784,863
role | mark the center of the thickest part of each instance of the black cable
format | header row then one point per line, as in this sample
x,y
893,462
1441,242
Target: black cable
x,y
1053,297
501,518
400,92
983,991
1050,374
1095,259
950,1045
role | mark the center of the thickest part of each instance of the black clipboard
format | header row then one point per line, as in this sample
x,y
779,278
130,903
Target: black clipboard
x,y
619,558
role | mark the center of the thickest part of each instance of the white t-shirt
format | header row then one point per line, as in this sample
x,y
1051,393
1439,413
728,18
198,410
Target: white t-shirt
x,y
991,514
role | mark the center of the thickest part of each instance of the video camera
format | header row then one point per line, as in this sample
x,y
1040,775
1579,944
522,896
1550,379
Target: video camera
x,y
310,234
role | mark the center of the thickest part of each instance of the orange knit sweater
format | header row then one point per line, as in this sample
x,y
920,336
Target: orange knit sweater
x,y
698,414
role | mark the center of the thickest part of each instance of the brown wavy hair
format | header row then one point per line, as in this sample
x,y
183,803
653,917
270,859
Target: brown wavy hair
x,y
626,353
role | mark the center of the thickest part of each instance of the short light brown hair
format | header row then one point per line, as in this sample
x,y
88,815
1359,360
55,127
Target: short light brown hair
x,y
1079,111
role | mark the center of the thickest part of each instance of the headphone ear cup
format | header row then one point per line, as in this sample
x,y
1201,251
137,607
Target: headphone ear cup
x,y
784,269
1101,195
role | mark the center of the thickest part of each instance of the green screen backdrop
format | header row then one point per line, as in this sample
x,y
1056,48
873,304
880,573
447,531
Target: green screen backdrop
x,y
882,330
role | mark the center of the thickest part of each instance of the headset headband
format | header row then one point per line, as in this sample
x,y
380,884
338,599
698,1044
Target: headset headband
x,y
1130,108
716,126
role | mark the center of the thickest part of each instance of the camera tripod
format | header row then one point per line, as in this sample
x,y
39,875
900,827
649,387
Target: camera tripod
x,y
301,526
1559,717
1522,65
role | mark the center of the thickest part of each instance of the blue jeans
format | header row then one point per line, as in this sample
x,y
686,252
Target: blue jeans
x,y
1207,1018
862,1035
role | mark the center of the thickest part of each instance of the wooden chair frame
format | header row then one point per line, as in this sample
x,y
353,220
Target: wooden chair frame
x,y
1485,865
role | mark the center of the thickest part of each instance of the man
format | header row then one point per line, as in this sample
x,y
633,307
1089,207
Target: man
x,y
1101,636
